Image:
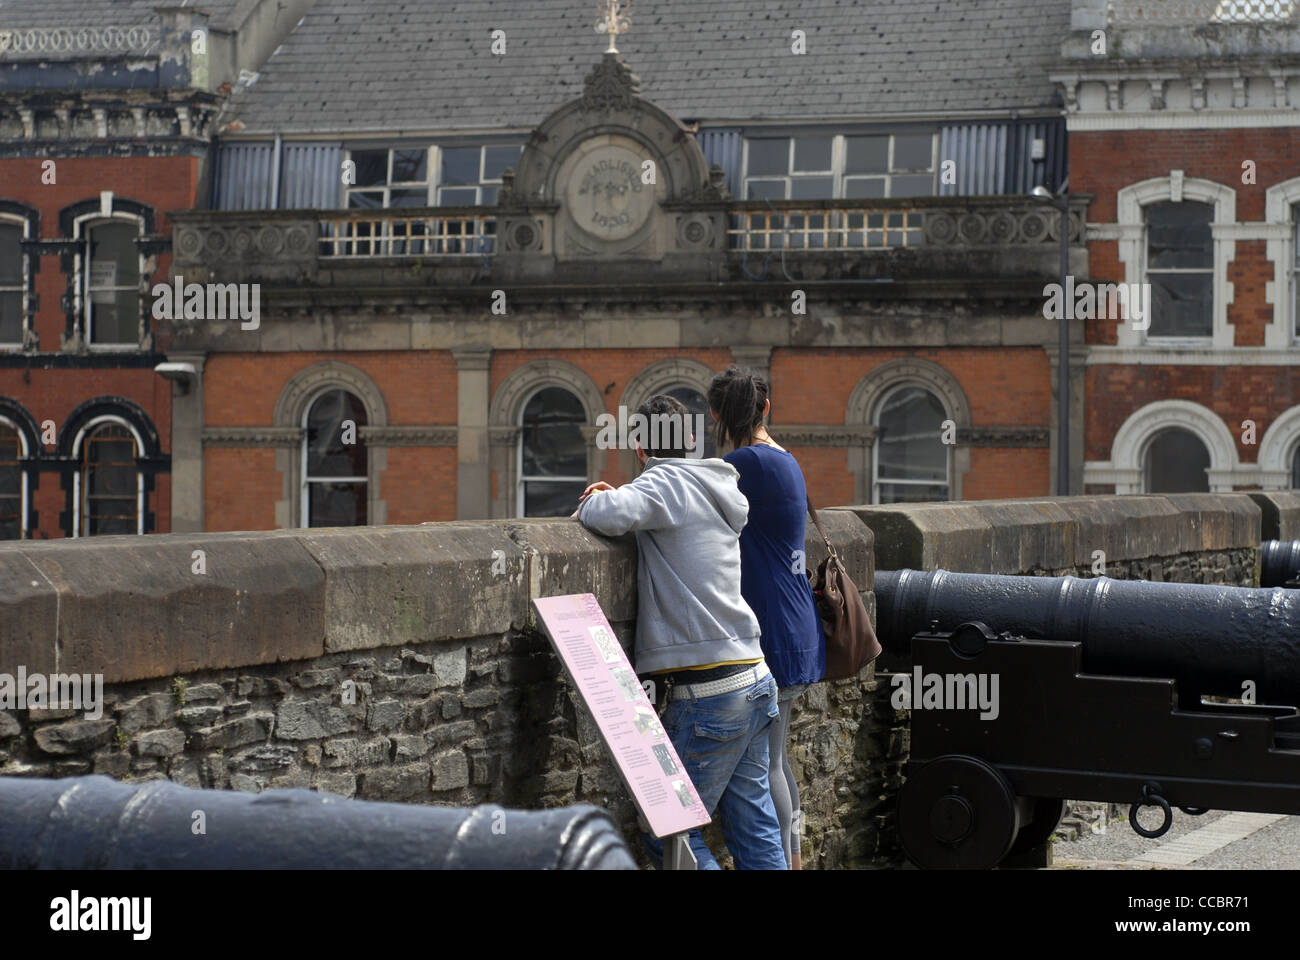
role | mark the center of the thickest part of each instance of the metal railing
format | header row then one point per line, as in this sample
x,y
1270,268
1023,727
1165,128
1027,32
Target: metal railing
x,y
1170,12
397,233
138,39
852,227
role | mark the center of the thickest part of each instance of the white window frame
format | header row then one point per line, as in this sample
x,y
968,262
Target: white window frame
x,y
389,184
24,453
839,159
519,447
81,231
1132,232
1147,270
9,219
304,492
483,180
77,505
1283,248
876,479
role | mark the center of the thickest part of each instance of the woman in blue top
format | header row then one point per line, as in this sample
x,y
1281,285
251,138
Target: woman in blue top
x,y
773,580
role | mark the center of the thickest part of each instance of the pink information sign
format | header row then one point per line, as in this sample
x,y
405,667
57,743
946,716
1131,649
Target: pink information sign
x,y
645,757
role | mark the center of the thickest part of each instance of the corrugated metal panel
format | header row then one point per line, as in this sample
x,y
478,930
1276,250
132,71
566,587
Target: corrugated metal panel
x,y
311,176
724,146
1025,173
979,151
243,179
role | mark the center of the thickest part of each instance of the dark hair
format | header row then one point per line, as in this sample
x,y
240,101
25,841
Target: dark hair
x,y
737,395
659,406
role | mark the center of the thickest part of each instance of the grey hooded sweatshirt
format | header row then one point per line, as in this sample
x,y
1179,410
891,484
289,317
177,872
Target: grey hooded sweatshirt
x,y
687,514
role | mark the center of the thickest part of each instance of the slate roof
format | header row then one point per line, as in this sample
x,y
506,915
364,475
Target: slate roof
x,y
392,65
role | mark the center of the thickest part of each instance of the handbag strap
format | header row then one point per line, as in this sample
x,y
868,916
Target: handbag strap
x,y
812,511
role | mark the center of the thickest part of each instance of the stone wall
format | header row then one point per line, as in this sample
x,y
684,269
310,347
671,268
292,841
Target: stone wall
x,y
240,677
229,659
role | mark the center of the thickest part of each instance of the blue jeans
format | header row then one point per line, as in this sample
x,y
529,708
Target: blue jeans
x,y
722,741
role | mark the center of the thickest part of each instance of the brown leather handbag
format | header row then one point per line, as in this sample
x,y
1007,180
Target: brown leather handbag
x,y
851,642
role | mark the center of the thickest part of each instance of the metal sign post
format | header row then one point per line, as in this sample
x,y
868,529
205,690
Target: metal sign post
x,y
678,854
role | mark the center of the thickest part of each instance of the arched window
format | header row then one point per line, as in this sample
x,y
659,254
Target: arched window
x,y
13,482
552,454
1295,469
334,465
110,486
699,408
911,462
1176,461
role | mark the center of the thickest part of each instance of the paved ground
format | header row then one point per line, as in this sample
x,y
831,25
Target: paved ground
x,y
1213,841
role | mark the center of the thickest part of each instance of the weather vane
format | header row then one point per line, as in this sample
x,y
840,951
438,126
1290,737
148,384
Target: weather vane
x,y
613,20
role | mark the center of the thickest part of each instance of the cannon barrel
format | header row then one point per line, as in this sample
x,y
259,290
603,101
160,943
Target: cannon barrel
x,y
1211,639
1279,562
95,822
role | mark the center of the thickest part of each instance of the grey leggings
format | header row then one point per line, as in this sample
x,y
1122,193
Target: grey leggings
x,y
785,791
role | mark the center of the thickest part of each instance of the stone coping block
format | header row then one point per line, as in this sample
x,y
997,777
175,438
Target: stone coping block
x,y
1281,514
1057,533
134,608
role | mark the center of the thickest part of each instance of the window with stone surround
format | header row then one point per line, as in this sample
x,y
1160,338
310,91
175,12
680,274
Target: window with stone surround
x,y
1294,298
110,494
911,462
334,462
110,281
13,281
13,482
694,401
552,454
1180,269
826,167
1175,461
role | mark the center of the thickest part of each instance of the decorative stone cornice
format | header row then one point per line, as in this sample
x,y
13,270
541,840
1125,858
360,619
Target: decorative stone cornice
x,y
503,436
432,436
252,436
815,435
1004,436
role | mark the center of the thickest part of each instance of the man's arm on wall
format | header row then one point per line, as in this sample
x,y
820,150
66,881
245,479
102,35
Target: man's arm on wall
x,y
642,504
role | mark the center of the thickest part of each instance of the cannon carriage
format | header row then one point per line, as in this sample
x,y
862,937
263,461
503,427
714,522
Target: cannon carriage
x,y
1152,694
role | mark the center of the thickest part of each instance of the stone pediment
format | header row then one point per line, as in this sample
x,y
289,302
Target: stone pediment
x,y
601,189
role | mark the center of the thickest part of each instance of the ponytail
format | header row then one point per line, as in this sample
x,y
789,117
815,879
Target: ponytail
x,y
738,397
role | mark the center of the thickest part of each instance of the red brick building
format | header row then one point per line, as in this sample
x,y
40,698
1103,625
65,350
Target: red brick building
x,y
1184,132
436,282
106,116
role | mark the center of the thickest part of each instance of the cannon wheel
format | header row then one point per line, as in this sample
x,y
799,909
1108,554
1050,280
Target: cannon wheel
x,y
1046,814
957,812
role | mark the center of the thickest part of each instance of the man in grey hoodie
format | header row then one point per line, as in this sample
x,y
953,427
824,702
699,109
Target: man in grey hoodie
x,y
696,637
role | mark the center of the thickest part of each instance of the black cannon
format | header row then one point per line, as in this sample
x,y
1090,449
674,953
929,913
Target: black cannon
x,y
1026,691
1279,563
97,823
